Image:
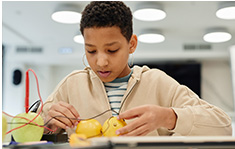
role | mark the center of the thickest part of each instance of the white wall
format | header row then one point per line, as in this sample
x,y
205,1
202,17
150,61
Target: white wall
x,y
12,94
232,59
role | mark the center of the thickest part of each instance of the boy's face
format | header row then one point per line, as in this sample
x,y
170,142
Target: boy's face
x,y
107,52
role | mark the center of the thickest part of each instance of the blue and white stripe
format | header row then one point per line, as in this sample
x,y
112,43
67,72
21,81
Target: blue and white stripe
x,y
115,92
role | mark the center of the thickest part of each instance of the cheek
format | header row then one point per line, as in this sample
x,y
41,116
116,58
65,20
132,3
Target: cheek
x,y
125,56
90,59
120,61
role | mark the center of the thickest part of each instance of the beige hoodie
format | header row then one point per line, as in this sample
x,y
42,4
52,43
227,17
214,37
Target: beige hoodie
x,y
85,91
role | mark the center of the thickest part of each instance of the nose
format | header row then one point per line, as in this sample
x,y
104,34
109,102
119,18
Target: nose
x,y
102,60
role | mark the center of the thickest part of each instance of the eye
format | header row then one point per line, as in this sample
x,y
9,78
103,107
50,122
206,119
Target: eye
x,y
113,51
91,51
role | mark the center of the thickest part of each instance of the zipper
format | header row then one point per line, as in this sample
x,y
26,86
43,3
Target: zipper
x,y
124,100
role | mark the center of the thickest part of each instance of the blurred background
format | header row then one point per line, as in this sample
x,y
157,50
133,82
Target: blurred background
x,y
32,39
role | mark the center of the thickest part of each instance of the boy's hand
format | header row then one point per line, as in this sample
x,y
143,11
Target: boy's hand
x,y
60,111
148,118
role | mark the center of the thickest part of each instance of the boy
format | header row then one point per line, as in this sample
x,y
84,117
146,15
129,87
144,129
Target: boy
x,y
152,102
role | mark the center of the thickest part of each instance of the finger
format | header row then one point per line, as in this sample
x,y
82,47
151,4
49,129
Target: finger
x,y
72,112
71,108
137,131
132,113
57,123
131,126
61,117
53,123
61,114
144,133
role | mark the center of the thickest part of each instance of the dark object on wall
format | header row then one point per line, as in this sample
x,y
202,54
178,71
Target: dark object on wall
x,y
17,77
186,73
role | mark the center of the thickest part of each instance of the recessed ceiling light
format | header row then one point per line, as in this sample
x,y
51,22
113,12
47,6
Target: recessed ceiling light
x,y
78,39
67,13
149,11
151,36
217,35
226,10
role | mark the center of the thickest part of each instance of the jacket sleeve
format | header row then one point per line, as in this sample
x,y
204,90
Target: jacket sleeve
x,y
197,117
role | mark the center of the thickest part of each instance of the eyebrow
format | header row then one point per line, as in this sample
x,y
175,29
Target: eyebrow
x,y
110,44
89,45
107,44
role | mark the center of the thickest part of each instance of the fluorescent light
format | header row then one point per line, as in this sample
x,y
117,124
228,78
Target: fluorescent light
x,y
226,10
78,39
67,17
217,35
151,36
67,13
149,11
149,14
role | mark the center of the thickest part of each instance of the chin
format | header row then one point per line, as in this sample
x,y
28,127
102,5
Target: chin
x,y
106,79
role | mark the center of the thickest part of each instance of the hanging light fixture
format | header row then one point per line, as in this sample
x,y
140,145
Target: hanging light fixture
x,y
217,35
67,13
151,36
226,10
78,39
149,11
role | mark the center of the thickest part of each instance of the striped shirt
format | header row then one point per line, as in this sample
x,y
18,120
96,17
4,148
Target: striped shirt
x,y
115,91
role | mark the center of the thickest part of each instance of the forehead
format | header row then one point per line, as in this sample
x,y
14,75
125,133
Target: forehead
x,y
107,33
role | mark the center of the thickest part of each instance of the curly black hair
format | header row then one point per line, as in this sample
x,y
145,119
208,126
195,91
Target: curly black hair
x,y
108,14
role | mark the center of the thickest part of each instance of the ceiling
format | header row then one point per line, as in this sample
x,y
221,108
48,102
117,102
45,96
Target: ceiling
x,y
29,23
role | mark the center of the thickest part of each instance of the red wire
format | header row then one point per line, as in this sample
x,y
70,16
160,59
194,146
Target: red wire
x,y
27,92
38,94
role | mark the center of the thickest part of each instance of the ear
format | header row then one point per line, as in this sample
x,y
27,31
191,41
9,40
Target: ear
x,y
133,43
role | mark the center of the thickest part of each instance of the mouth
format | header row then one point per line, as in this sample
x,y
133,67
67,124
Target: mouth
x,y
104,74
